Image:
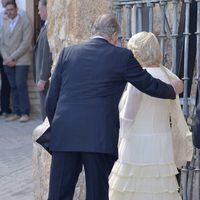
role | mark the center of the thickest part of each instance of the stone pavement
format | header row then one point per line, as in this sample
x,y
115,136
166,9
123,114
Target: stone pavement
x,y
16,182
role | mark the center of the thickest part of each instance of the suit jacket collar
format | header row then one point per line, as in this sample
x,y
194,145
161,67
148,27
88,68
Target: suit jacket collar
x,y
41,31
99,40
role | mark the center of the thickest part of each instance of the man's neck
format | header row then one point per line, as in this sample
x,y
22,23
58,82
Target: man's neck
x,y
15,17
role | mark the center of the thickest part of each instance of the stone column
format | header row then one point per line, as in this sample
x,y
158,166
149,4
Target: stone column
x,y
70,22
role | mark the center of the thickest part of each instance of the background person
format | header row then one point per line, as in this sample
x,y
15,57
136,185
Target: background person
x,y
42,58
15,49
5,86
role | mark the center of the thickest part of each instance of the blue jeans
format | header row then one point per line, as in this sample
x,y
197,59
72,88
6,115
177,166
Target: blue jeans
x,y
17,77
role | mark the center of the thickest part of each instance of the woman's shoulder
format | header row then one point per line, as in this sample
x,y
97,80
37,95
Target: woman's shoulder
x,y
157,72
154,70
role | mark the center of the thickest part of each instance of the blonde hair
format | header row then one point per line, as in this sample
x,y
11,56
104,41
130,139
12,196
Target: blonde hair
x,y
145,48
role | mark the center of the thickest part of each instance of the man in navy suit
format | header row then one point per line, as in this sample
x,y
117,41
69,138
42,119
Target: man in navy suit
x,y
82,108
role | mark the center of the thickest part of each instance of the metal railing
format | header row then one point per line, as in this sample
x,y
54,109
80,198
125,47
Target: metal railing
x,y
131,17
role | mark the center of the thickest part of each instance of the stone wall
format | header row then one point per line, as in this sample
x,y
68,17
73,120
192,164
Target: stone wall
x,y
70,22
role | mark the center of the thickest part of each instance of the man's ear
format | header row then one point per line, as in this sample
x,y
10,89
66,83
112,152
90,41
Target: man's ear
x,y
114,38
114,34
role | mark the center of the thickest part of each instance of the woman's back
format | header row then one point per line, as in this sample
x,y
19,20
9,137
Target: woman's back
x,y
149,139
153,116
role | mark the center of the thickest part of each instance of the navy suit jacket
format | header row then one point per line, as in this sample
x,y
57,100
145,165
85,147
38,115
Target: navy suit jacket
x,y
85,90
196,126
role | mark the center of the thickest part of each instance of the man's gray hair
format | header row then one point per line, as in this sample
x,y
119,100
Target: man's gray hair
x,y
106,25
43,2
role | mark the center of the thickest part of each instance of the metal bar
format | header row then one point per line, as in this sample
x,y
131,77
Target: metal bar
x,y
197,175
134,19
118,11
139,12
128,22
162,29
190,178
198,39
174,37
197,169
150,6
184,175
135,2
186,51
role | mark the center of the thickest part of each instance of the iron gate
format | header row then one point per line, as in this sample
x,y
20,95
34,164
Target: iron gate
x,y
177,25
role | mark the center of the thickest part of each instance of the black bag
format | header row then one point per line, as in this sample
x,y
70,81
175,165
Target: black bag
x,y
44,140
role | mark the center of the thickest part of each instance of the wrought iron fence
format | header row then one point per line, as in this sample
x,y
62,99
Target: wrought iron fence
x,y
138,15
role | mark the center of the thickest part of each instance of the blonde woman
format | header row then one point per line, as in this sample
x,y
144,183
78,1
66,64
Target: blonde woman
x,y
153,135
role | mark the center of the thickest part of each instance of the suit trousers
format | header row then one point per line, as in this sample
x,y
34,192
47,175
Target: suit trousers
x,y
65,170
17,77
5,90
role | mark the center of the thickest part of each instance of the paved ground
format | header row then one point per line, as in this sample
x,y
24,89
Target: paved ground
x,y
16,159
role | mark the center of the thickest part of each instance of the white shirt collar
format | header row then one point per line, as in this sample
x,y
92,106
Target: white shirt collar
x,y
46,22
14,21
98,36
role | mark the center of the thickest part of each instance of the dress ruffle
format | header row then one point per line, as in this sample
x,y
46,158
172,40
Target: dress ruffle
x,y
143,185
116,195
139,182
147,149
145,171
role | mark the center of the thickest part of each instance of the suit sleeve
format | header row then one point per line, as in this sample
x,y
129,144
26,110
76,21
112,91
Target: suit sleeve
x,y
143,81
46,62
54,89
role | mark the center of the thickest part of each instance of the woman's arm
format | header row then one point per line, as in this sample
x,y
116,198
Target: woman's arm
x,y
130,109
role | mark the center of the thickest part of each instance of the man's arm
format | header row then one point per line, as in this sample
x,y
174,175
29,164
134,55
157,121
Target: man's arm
x,y
46,62
54,89
143,81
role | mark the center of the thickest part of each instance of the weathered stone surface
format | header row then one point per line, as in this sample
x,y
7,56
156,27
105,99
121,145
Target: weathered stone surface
x,y
41,163
70,22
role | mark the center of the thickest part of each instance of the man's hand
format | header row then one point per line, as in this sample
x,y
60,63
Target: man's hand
x,y
178,86
41,85
8,59
9,62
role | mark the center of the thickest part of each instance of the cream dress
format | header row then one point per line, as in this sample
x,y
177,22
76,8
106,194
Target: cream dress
x,y
146,166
